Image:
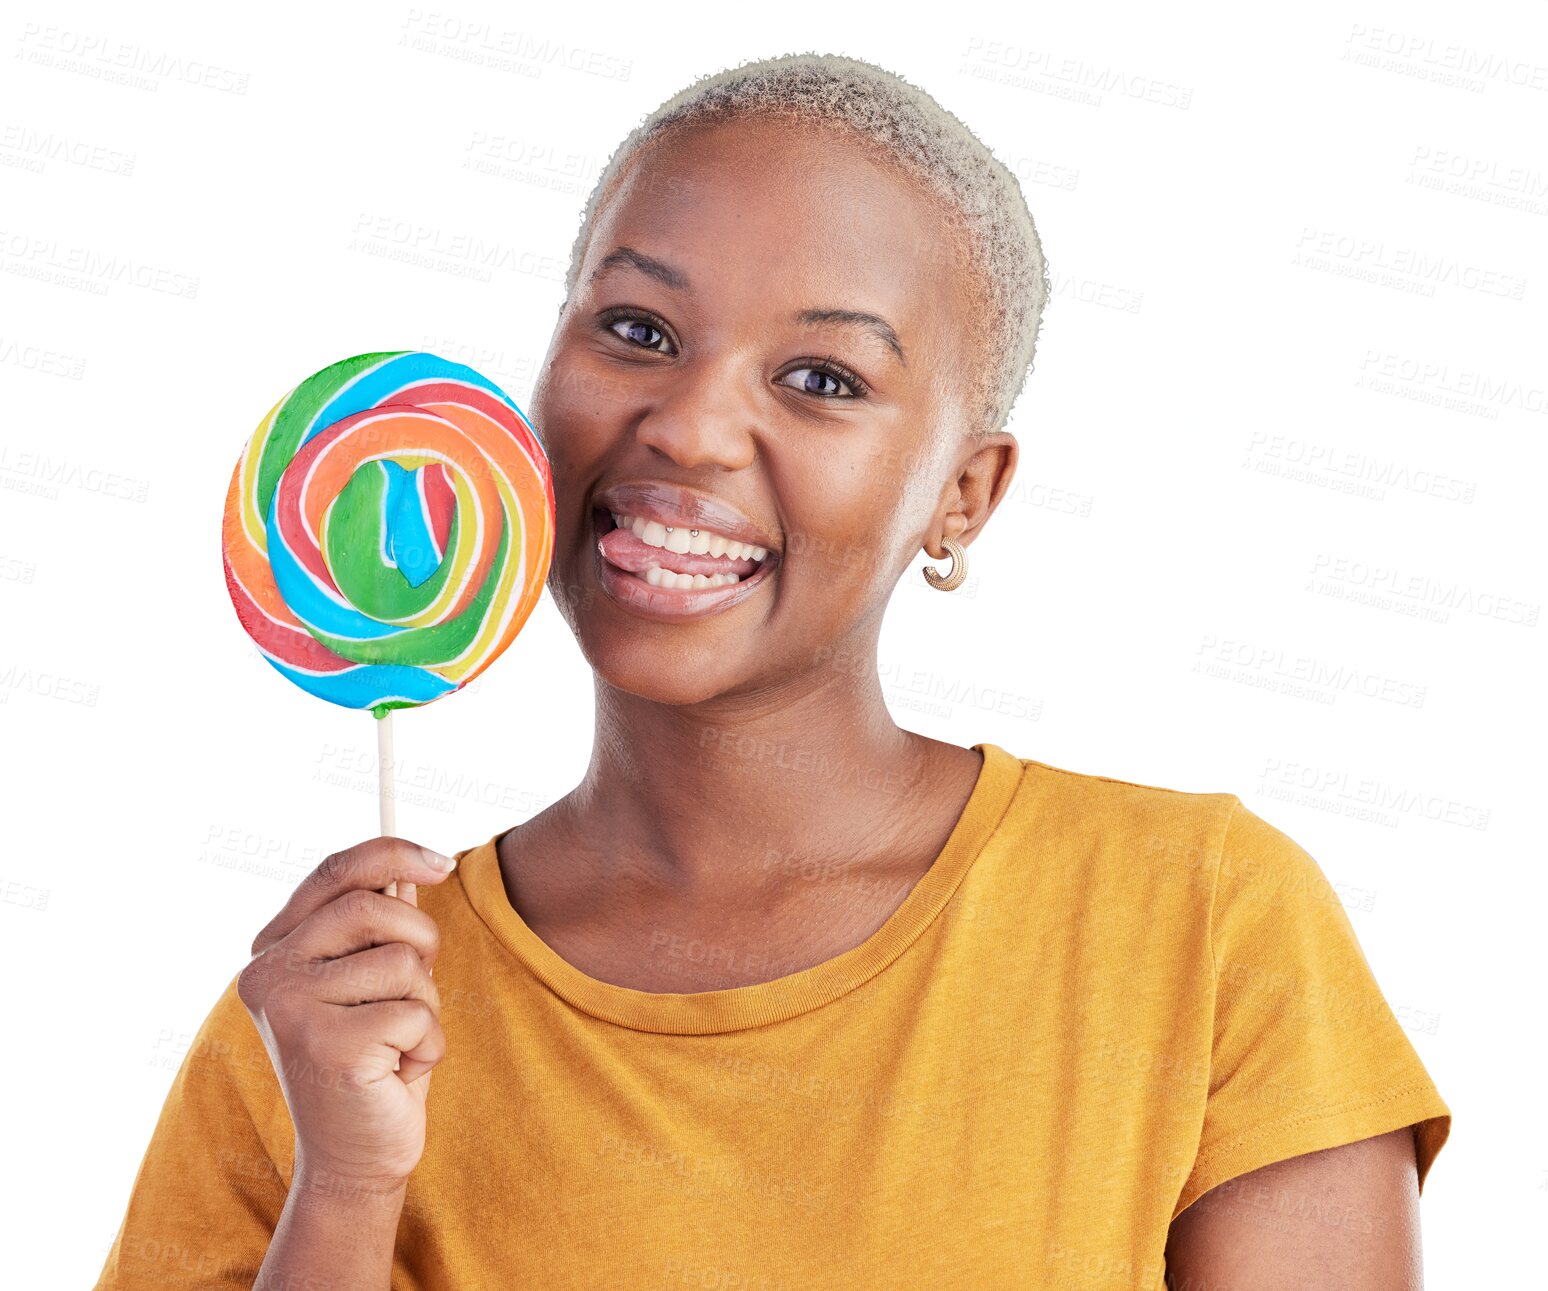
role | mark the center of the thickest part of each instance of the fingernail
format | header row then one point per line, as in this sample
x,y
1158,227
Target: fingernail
x,y
444,863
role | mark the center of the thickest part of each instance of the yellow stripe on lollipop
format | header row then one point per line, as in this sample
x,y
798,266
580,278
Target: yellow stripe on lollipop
x,y
254,523
462,556
504,599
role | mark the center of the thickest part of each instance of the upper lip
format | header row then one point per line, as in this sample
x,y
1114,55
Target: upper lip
x,y
673,505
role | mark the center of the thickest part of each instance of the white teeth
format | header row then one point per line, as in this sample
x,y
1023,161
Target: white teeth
x,y
658,577
680,539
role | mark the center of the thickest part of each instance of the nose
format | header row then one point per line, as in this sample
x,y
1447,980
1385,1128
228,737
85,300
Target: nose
x,y
704,417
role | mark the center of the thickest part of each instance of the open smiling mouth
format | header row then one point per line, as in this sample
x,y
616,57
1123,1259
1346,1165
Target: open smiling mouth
x,y
670,571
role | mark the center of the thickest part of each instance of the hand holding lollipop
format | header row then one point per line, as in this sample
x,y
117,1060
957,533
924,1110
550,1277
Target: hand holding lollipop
x,y
387,532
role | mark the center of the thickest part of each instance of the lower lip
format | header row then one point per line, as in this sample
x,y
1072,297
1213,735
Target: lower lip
x,y
672,604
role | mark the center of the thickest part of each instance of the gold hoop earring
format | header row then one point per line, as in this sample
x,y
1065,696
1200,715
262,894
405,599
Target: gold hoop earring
x,y
950,581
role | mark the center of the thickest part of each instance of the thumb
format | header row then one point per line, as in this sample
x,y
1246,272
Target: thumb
x,y
441,867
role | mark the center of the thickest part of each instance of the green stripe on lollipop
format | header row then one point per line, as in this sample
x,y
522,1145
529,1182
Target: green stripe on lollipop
x,y
426,647
352,543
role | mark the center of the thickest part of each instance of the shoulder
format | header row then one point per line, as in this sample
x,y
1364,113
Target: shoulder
x,y
1192,846
1132,858
1151,824
1116,787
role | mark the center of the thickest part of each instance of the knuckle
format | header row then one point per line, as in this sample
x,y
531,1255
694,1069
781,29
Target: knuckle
x,y
268,936
247,985
357,905
405,961
330,869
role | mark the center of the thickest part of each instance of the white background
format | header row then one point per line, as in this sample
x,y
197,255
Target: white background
x,y
1272,533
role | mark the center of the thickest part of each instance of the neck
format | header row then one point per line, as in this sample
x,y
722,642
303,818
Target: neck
x,y
734,792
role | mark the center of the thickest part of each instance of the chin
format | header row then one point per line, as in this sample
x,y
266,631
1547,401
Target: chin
x,y
641,670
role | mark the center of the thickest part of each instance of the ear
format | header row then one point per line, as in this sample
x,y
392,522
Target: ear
x,y
982,479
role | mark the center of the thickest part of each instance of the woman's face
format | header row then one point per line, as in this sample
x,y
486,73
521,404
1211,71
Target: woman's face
x,y
704,371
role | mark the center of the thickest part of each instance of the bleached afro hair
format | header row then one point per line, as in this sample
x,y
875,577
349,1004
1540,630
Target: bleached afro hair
x,y
983,205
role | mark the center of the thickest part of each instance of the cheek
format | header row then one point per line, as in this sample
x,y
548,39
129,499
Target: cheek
x,y
578,416
844,519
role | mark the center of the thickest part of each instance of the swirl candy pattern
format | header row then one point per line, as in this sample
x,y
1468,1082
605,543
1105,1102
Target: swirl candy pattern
x,y
388,530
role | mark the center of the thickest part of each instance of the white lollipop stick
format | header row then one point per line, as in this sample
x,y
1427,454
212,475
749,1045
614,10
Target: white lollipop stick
x,y
386,798
384,776
388,805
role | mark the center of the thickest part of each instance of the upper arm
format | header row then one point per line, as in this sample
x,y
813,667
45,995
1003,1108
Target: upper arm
x,y
1345,1217
209,1191
1306,1054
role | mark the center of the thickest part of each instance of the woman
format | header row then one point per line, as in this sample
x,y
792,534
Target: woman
x,y
782,995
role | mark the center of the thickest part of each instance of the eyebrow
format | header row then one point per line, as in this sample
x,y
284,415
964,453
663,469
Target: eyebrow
x,y
657,269
678,281
878,325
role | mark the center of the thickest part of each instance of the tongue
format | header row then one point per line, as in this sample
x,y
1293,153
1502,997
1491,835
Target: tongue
x,y
624,548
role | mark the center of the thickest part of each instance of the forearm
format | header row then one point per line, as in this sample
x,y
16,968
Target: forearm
x,y
333,1235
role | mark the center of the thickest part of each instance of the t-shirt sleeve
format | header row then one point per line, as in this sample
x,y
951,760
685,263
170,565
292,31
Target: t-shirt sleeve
x,y
1306,1053
209,1192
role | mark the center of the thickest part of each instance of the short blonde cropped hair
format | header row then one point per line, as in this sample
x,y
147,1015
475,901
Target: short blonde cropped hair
x,y
981,199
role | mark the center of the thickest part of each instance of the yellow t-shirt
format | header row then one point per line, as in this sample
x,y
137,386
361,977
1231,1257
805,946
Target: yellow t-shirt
x,y
1101,1001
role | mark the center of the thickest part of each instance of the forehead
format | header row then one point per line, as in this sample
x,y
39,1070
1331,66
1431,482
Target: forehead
x,y
788,214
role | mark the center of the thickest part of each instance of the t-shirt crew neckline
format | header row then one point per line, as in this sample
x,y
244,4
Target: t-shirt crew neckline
x,y
738,1007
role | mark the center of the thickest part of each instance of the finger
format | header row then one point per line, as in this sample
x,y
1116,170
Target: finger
x,y
370,865
391,972
358,921
384,1030
415,1062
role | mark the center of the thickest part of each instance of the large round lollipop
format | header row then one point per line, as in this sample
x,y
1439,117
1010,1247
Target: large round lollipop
x,y
388,530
